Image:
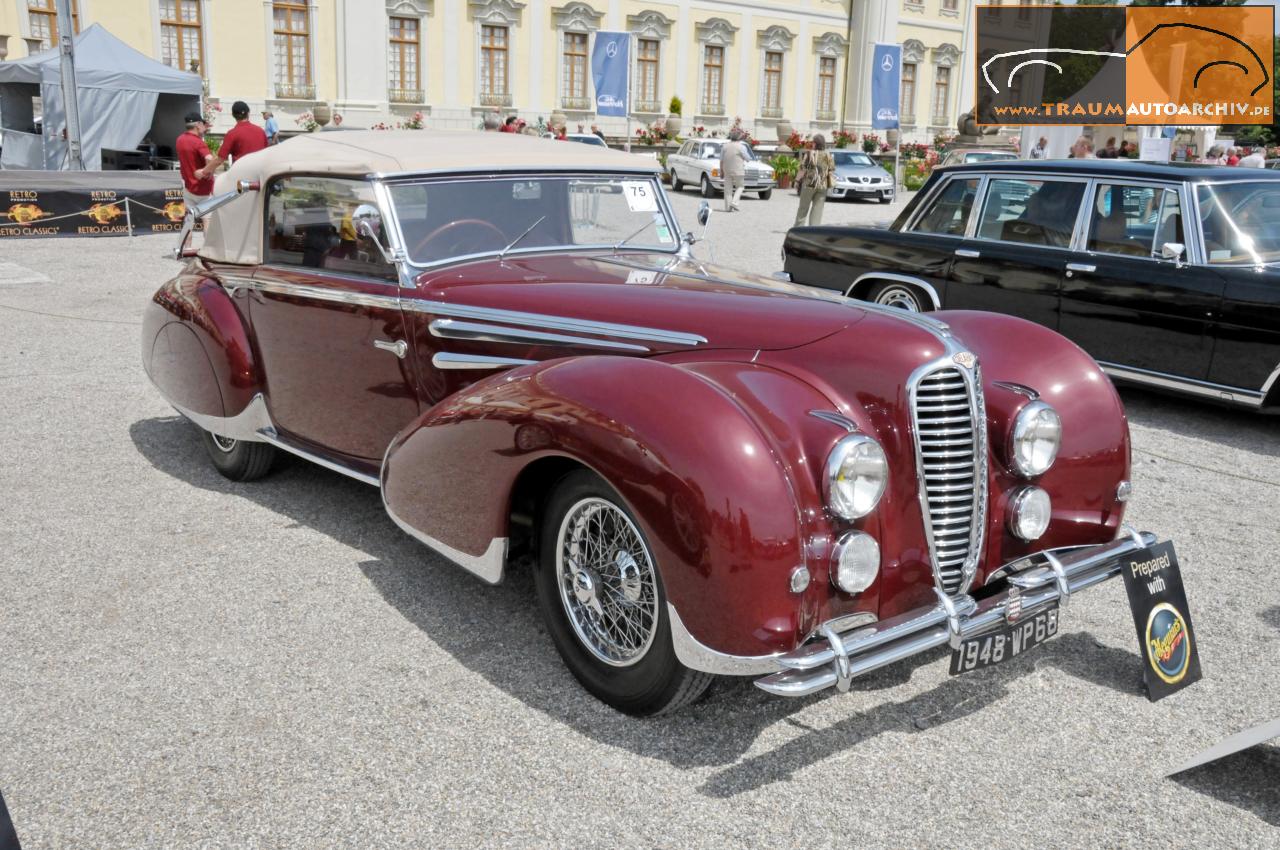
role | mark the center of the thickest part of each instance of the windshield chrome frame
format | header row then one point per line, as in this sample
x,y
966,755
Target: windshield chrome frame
x,y
408,266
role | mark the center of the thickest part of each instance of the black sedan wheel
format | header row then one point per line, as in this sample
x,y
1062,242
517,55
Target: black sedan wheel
x,y
901,295
766,194
602,599
239,460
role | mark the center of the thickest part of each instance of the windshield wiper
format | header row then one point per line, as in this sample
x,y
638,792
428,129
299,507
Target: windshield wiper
x,y
515,241
642,229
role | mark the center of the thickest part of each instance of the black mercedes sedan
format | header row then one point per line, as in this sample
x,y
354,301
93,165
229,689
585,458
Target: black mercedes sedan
x,y
1168,275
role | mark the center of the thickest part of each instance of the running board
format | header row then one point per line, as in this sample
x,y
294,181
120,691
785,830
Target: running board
x,y
269,435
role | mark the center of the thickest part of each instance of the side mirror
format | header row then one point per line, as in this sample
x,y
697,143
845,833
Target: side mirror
x,y
368,223
1173,251
704,213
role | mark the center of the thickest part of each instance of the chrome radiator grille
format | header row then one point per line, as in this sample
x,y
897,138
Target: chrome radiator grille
x,y
946,404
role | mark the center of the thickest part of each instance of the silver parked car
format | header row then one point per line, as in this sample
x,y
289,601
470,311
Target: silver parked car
x,y
697,163
860,176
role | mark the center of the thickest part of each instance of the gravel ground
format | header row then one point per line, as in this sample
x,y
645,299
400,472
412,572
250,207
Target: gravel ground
x,y
187,662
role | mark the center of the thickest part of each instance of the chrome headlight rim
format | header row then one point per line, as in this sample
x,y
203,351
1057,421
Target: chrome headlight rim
x,y
1019,433
855,542
1018,506
849,508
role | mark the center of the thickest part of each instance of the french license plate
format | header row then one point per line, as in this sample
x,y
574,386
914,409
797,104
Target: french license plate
x,y
1002,644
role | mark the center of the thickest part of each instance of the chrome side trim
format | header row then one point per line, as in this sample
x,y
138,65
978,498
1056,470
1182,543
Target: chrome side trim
x,y
321,293
1020,389
453,329
270,436
1271,381
835,419
834,656
1204,389
248,425
900,278
449,360
555,323
698,656
487,567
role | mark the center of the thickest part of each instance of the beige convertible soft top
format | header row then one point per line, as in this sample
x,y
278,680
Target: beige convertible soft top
x,y
233,233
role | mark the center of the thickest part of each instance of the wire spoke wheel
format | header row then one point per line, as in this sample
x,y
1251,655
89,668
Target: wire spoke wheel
x,y
224,444
607,582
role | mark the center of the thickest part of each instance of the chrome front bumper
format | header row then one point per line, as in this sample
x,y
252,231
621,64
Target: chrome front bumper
x,y
835,659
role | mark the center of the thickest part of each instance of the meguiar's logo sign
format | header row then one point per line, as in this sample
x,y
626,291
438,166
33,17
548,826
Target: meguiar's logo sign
x,y
1159,605
1124,65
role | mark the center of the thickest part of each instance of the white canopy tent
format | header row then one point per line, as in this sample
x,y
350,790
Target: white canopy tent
x,y
124,96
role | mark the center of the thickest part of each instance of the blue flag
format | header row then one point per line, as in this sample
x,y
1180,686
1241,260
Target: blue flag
x,y
886,80
611,71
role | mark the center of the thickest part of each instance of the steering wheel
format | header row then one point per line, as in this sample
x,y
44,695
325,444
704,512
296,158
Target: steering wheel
x,y
476,225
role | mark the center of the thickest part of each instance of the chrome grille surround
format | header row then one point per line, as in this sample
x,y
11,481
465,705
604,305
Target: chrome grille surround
x,y
949,429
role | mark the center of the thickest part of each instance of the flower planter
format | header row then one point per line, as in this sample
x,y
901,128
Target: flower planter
x,y
784,181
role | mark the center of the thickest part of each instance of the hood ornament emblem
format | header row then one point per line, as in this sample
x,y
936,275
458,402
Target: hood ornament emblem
x,y
965,359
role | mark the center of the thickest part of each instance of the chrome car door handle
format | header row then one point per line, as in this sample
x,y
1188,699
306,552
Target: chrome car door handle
x,y
967,254
399,348
1083,268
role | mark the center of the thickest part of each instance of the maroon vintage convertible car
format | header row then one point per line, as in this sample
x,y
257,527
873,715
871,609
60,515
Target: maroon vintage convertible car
x,y
716,472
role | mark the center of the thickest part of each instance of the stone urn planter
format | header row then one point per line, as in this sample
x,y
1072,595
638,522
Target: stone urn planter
x,y
322,113
783,129
674,123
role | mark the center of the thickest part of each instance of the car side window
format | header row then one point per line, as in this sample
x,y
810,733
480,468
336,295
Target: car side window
x,y
949,212
1032,212
1134,220
310,223
686,148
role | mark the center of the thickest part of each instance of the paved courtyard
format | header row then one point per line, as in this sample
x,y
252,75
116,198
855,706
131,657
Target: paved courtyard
x,y
188,662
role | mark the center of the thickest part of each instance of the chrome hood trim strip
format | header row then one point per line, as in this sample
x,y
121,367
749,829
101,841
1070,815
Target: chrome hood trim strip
x,y
454,329
449,360
556,323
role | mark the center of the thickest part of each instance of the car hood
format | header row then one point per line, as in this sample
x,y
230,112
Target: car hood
x,y
860,171
728,308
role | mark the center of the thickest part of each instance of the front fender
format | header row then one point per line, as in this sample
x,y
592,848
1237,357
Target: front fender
x,y
720,501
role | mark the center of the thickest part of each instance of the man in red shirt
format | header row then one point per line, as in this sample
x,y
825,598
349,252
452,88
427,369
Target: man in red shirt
x,y
195,161
244,138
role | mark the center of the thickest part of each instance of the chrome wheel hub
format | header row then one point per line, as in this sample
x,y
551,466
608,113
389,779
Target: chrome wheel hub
x,y
900,298
607,582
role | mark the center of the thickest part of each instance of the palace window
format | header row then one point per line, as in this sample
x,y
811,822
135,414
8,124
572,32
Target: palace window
x,y
941,93
43,17
950,5
826,84
575,65
493,61
404,59
907,109
292,34
772,99
647,70
181,40
713,76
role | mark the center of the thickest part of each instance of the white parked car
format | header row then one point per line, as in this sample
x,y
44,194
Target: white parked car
x,y
860,176
697,163
587,139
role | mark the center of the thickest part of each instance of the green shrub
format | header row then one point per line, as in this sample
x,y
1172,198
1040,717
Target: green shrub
x,y
676,105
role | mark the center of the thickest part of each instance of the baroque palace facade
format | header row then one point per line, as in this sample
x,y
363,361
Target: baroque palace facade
x,y
806,62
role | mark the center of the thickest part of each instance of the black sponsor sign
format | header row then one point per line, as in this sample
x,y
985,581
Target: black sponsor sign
x,y
41,213
1170,654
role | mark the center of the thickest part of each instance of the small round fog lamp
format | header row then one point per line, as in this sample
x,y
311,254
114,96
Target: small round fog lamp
x,y
855,563
1029,513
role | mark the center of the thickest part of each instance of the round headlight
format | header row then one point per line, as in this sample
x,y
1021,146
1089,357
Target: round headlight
x,y
1029,513
1037,433
857,471
855,563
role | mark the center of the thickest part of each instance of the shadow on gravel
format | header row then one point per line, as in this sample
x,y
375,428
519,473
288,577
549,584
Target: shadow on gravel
x,y
1230,426
1271,617
498,633
1248,780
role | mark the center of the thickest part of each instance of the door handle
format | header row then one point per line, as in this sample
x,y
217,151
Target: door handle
x,y
1081,267
399,348
967,254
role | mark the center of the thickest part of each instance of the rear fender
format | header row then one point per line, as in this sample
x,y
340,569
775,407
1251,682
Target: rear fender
x,y
710,487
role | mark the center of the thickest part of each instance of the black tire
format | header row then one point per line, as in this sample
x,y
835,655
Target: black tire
x,y
676,185
766,194
904,296
239,460
654,682
705,188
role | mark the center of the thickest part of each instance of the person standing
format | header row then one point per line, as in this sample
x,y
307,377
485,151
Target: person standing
x,y
1041,150
733,170
1257,159
195,161
1109,151
244,138
1082,149
595,129
1233,156
815,176
270,127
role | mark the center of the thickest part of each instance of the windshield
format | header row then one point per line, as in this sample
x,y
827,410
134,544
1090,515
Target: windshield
x,y
714,151
851,158
1241,222
988,156
446,220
